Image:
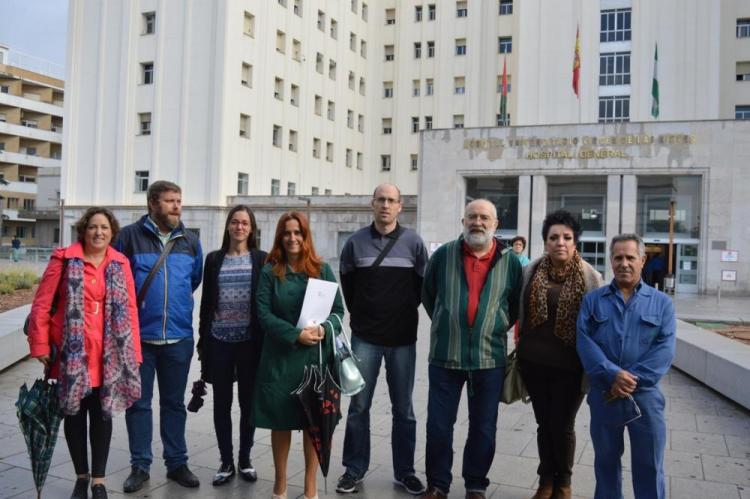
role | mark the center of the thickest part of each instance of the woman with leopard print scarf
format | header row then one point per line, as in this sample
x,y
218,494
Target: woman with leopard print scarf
x,y
553,287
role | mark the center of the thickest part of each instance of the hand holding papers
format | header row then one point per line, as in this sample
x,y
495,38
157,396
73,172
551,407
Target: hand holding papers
x,y
318,302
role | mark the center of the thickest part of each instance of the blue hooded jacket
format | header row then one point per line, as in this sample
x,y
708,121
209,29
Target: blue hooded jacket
x,y
166,312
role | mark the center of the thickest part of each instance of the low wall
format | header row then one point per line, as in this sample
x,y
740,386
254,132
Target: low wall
x,y
13,344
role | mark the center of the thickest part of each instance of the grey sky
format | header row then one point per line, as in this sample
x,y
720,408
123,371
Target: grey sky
x,y
36,28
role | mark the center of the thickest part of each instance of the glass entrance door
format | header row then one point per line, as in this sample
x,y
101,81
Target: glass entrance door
x,y
686,268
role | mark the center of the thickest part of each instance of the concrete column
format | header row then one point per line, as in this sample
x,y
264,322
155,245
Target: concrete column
x,y
524,206
612,227
629,203
538,212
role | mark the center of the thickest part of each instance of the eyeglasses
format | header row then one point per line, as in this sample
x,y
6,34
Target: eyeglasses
x,y
631,411
383,200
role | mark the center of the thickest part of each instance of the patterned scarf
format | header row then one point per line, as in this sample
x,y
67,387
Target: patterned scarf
x,y
573,289
121,381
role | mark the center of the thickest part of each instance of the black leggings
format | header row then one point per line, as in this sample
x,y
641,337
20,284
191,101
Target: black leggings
x,y
100,435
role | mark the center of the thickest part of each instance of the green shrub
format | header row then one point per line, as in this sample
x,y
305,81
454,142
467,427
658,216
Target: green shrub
x,y
6,289
13,280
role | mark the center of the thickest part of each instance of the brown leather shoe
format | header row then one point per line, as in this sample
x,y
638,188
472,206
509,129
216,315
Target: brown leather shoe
x,y
544,492
475,494
563,492
434,493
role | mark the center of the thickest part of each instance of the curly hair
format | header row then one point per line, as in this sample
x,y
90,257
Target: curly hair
x,y
562,217
83,222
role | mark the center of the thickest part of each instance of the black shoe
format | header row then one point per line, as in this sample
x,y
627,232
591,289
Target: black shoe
x,y
135,481
98,491
347,484
81,489
183,476
224,475
247,472
412,484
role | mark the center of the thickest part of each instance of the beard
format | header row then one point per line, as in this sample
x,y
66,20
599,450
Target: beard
x,y
477,238
171,221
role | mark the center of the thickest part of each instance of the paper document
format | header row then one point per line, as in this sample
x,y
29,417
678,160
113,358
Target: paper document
x,y
318,302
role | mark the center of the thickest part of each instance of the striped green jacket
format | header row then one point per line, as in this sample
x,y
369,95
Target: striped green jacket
x,y
445,296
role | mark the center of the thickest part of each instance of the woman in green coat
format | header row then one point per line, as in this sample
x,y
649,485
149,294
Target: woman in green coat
x,y
287,349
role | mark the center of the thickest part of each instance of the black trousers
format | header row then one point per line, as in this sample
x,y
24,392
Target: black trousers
x,y
232,361
555,396
100,435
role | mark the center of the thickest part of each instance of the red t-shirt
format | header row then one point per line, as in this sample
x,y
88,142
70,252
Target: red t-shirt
x,y
476,270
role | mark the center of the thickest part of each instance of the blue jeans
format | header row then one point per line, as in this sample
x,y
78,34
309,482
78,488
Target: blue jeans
x,y
483,394
170,364
399,373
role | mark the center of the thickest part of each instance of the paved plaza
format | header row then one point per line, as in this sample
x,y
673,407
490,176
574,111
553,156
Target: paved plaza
x,y
707,456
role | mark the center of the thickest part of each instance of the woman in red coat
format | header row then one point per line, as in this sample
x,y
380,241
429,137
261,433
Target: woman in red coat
x,y
84,328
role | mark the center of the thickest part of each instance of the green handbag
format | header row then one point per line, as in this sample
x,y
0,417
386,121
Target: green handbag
x,y
513,387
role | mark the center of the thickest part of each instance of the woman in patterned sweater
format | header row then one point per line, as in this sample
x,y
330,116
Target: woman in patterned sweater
x,y
230,336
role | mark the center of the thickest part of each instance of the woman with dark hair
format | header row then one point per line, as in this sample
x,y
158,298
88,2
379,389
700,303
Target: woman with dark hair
x,y
288,349
518,245
83,327
231,337
553,287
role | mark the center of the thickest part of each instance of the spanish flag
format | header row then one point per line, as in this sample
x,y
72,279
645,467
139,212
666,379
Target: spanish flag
x,y
577,65
504,97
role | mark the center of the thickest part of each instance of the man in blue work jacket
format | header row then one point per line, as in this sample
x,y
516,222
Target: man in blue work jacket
x,y
626,342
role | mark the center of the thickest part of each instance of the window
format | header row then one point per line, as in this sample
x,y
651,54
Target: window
x,y
30,151
243,182
428,122
615,25
149,23
506,7
248,26
414,162
321,20
278,88
499,120
390,16
275,186
294,99
245,126
247,75
743,28
351,80
276,139
316,147
2,146
319,62
349,158
430,49
359,161
314,191
387,126
293,140
429,86
415,88
418,14
361,85
147,73
360,123
4,89
332,69
280,41
28,204
459,85
387,89
505,44
365,12
328,192
298,7
461,9
318,105
291,188
417,50
742,112
743,71
431,12
460,46
329,151
334,29
354,6
352,42
350,118
363,49
500,83
614,68
614,109
458,121
389,52
282,2
29,123
331,111
296,50
385,162
141,181
414,124
145,121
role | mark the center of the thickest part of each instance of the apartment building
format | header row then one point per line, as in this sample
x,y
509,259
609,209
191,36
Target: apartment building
x,y
31,121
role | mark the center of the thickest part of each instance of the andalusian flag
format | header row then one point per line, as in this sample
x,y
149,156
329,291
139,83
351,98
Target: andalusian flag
x,y
655,86
577,65
504,96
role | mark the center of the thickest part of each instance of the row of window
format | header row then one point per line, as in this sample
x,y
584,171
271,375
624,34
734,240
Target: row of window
x,y
505,7
504,46
459,86
385,162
